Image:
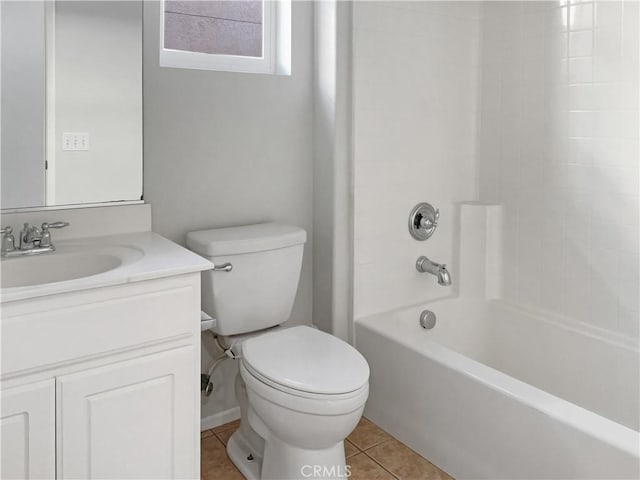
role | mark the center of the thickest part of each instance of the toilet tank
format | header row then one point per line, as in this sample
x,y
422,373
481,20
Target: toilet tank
x,y
259,290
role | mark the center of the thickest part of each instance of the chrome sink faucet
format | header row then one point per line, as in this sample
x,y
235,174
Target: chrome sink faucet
x,y
29,235
424,265
32,239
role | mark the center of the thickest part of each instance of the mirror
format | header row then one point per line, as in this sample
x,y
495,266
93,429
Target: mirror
x,y
71,124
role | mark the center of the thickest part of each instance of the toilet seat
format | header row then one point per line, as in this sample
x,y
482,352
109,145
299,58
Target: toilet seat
x,y
306,362
299,393
304,402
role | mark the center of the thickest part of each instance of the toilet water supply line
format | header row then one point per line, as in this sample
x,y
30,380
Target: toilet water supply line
x,y
227,353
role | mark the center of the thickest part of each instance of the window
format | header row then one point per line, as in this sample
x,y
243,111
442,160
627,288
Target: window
x,y
228,35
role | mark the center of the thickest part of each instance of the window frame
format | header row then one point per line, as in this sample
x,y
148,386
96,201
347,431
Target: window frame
x,y
276,46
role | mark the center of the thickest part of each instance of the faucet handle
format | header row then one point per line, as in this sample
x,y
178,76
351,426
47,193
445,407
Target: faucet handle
x,y
45,239
46,226
8,241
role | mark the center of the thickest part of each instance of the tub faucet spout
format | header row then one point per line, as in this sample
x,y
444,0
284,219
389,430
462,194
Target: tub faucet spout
x,y
424,265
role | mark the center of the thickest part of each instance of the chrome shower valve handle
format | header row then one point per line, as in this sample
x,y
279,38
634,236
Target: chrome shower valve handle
x,y
429,223
423,221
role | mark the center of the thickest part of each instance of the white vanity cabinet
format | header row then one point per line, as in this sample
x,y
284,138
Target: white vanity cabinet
x,y
131,419
27,431
103,382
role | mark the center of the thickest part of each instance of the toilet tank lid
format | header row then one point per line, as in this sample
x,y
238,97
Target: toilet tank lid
x,y
245,239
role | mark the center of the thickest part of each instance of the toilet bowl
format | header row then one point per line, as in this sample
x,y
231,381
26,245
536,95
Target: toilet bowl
x,y
301,391
301,403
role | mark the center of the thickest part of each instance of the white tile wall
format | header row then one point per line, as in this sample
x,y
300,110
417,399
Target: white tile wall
x,y
531,105
561,154
415,109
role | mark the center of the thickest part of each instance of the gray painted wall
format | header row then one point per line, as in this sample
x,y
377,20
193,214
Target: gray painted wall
x,y
229,149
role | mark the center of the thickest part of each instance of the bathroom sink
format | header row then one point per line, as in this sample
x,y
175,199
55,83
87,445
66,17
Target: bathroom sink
x,y
65,264
95,262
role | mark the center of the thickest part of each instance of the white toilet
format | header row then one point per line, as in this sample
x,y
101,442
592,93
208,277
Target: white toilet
x,y
301,391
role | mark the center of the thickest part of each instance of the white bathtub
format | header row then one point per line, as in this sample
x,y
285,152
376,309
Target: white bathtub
x,y
494,391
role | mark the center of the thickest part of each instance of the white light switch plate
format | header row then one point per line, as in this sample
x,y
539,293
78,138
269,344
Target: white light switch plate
x,y
75,141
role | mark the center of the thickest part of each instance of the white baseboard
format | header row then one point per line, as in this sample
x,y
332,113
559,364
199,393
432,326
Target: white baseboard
x,y
219,418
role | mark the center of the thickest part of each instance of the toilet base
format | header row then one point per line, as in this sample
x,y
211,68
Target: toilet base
x,y
239,451
285,462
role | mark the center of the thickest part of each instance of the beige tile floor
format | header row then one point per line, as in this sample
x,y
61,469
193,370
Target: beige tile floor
x,y
371,452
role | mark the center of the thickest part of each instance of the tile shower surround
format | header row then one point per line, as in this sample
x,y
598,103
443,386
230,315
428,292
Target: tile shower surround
x,y
558,147
415,109
532,105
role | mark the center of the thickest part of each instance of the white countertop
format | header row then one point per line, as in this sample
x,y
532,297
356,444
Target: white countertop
x,y
145,256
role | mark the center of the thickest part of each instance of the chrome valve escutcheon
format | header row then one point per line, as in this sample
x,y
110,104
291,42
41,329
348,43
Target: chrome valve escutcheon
x,y
423,221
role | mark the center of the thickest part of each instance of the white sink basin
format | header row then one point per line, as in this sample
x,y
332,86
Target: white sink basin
x,y
67,263
95,262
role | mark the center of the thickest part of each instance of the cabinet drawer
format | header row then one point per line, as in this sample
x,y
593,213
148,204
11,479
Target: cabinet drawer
x,y
63,328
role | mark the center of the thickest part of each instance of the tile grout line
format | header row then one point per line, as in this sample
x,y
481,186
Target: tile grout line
x,y
375,460
412,450
347,440
359,450
380,465
374,445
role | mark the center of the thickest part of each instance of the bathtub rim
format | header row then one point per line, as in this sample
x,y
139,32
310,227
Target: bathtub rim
x,y
561,321
601,428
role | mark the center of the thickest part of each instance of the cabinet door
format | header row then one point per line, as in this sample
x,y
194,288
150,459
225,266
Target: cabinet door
x,y
134,419
28,431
